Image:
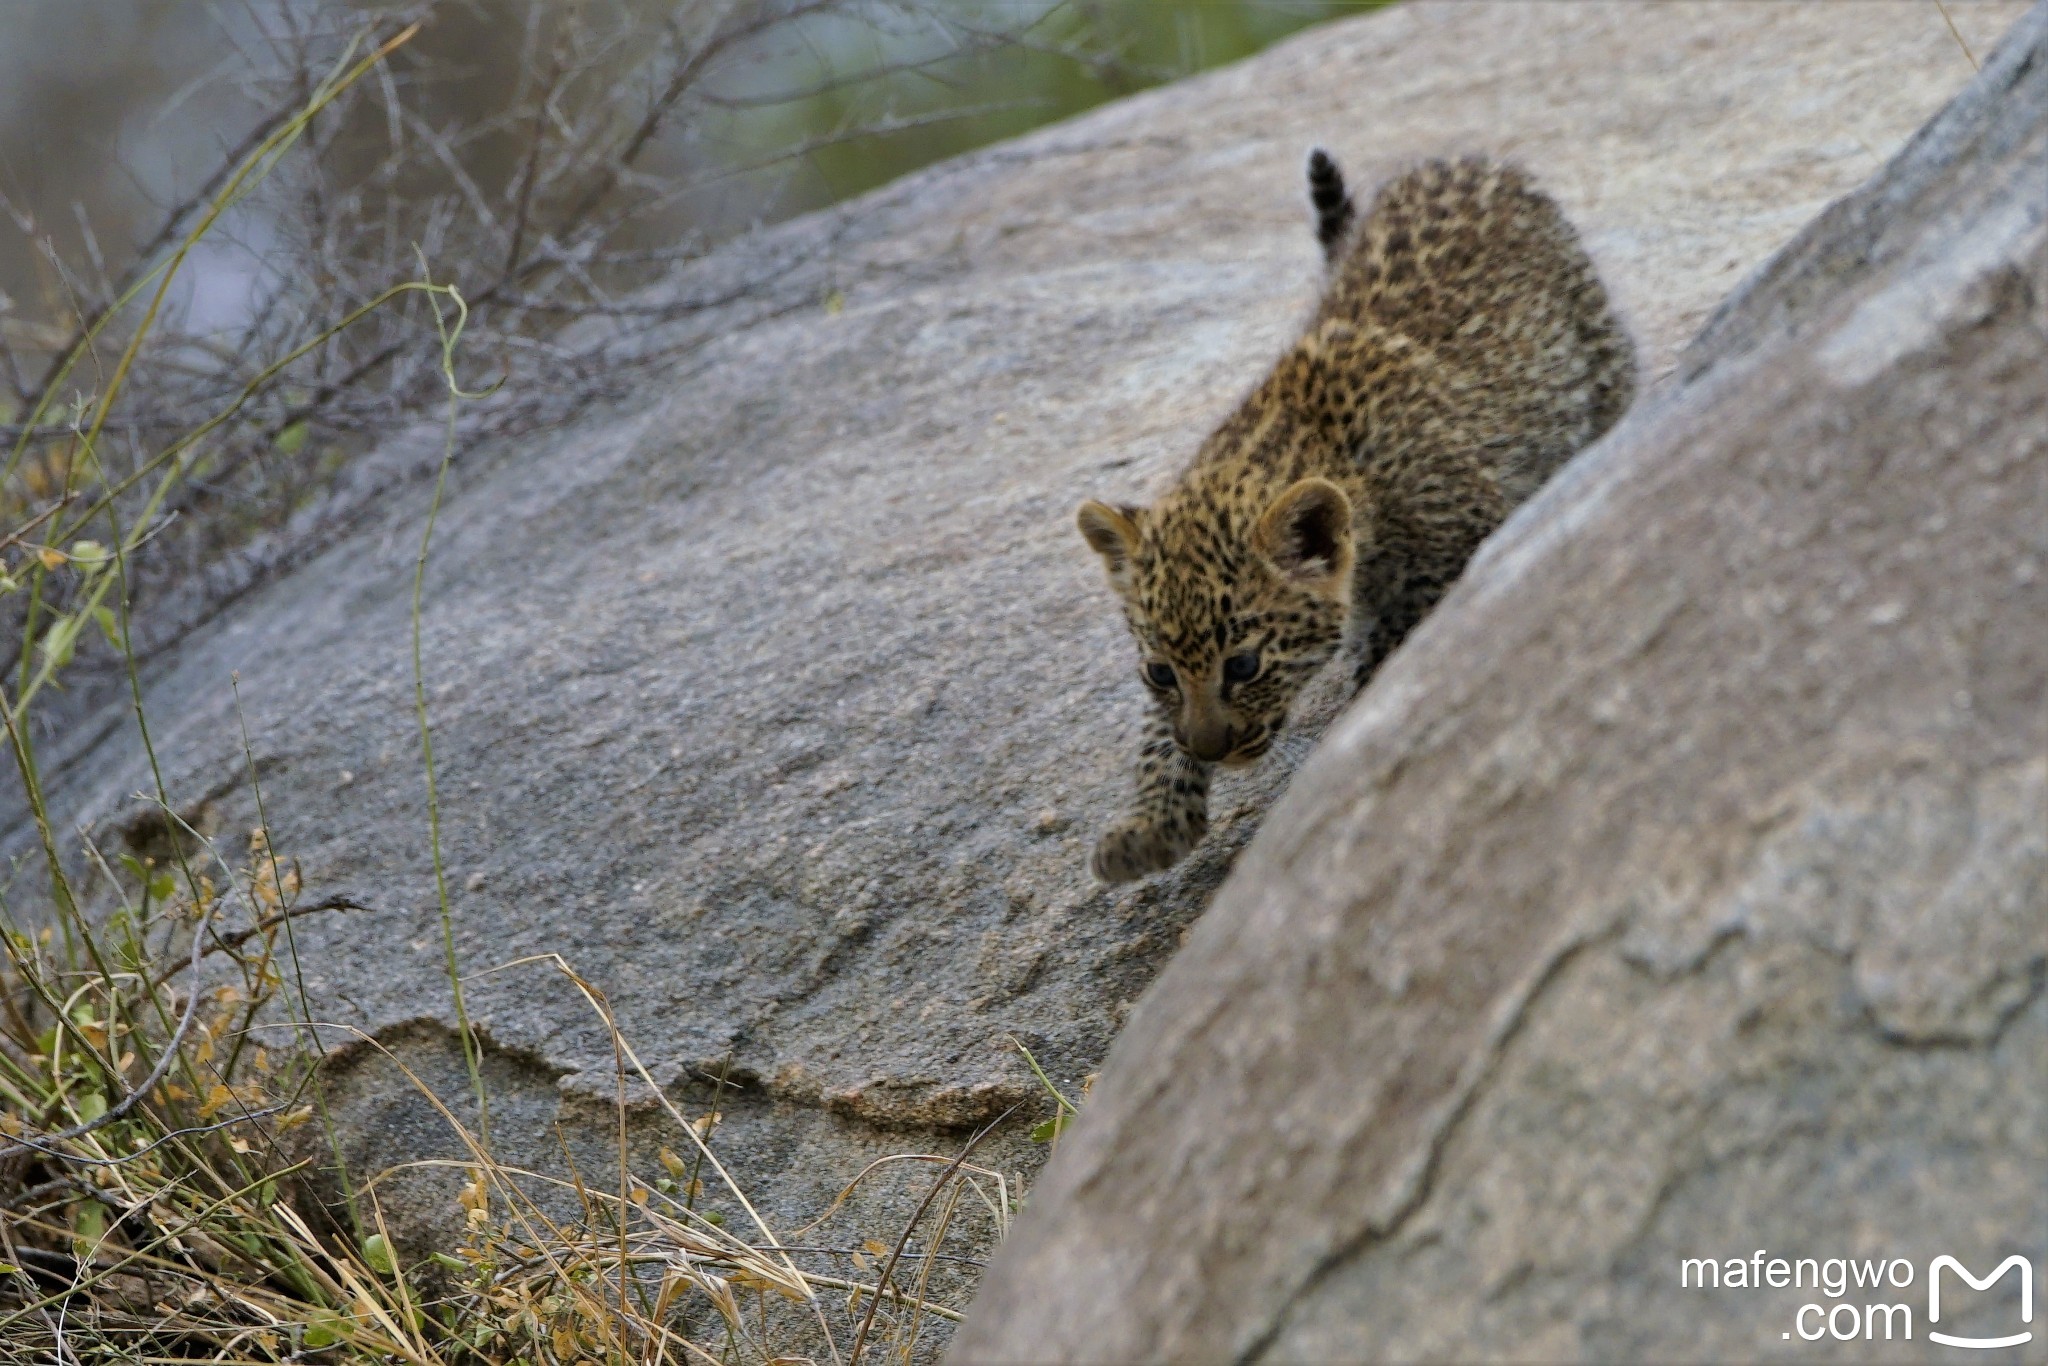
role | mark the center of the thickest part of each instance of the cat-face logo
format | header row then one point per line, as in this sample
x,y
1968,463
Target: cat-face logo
x,y
2026,1270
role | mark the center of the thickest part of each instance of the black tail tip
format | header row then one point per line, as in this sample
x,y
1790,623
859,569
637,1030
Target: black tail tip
x,y
1325,182
1330,200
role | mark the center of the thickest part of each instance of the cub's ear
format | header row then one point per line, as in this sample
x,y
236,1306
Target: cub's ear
x,y
1306,534
1113,532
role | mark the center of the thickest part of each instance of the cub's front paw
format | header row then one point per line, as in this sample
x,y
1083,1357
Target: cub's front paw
x,y
1131,849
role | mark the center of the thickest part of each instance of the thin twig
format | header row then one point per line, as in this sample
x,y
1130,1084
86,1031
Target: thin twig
x,y
220,943
1956,33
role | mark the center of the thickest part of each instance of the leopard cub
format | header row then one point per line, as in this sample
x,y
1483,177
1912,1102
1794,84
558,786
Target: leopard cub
x,y
1463,350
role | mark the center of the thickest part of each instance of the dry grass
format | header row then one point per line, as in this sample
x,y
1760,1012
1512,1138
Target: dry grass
x,y
155,1206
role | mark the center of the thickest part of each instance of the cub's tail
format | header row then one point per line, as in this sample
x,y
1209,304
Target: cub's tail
x,y
1331,201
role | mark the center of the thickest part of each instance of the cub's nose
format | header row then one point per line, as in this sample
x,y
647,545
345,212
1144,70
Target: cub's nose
x,y
1209,741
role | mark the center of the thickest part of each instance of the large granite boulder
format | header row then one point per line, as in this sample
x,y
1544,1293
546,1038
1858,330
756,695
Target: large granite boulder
x,y
781,699
1680,890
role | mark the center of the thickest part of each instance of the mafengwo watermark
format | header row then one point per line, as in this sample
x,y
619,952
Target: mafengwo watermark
x,y
1870,1299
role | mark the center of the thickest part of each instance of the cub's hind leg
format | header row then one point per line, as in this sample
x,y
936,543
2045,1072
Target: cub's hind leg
x,y
1168,819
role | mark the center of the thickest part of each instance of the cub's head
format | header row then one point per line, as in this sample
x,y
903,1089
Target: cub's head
x,y
1234,609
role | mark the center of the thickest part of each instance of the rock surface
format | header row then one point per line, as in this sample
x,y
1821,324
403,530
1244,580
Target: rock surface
x,y
1679,889
783,701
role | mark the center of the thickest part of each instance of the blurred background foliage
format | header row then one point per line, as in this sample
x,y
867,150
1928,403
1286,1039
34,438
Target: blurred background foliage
x,y
110,110
550,159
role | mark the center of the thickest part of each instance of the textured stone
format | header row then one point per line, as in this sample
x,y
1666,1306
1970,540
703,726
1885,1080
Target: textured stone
x,y
1678,890
782,700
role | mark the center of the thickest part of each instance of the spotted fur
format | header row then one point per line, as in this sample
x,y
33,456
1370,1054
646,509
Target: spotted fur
x,y
1463,350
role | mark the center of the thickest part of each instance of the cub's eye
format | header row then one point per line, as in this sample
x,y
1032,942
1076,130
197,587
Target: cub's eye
x,y
1159,675
1241,668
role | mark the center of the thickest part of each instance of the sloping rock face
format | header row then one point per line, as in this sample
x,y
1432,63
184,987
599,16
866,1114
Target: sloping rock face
x,y
1680,890
783,701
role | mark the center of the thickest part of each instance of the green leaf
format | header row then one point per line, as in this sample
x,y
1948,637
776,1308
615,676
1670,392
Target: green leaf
x,y
292,438
452,1263
318,1334
377,1252
1049,1130
162,886
59,641
89,557
90,1106
109,628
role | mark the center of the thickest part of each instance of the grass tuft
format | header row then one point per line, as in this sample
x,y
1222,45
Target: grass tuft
x,y
176,1223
